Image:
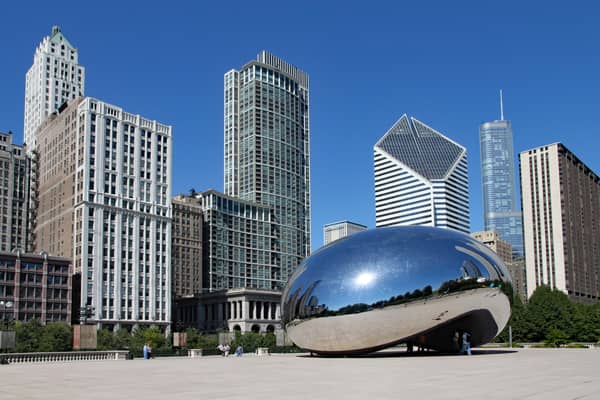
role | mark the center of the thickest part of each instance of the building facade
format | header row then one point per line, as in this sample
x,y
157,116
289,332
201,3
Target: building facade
x,y
39,286
239,238
561,222
519,277
338,230
55,77
186,252
420,178
516,266
15,169
501,212
104,187
242,309
492,240
267,150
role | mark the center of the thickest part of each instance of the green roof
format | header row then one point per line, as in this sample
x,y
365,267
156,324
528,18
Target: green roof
x,y
57,37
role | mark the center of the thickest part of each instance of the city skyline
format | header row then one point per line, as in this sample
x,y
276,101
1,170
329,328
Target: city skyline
x,y
549,98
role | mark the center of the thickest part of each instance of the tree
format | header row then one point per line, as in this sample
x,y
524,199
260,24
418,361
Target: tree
x,y
32,336
548,309
105,340
556,337
28,335
122,339
57,336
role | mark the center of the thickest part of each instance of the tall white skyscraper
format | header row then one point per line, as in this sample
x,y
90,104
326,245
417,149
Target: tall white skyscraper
x,y
104,200
420,178
54,78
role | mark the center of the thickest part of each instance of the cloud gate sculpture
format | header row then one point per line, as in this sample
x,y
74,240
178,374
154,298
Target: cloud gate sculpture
x,y
387,286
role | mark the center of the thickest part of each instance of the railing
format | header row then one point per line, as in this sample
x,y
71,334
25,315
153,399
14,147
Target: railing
x,y
63,356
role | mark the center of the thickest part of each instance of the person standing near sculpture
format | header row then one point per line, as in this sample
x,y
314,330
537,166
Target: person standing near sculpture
x,y
466,343
456,341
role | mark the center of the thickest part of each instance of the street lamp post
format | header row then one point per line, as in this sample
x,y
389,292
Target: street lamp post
x,y
7,338
6,305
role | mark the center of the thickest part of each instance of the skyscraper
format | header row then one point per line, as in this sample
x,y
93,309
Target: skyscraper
x,y
186,251
15,168
500,208
104,187
561,221
267,150
338,230
54,78
238,242
420,178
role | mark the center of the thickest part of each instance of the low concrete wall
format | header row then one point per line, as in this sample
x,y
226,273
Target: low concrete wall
x,y
66,356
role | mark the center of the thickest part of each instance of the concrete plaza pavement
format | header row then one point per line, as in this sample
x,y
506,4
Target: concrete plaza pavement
x,y
488,374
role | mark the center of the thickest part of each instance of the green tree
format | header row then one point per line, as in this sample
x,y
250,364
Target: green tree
x,y
28,336
32,336
251,340
548,309
122,339
56,336
105,340
556,337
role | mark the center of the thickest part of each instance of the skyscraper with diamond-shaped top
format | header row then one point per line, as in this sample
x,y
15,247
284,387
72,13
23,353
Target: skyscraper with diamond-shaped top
x,y
420,178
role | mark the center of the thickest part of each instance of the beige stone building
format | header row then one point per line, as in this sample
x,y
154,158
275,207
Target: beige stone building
x,y
516,267
57,143
493,241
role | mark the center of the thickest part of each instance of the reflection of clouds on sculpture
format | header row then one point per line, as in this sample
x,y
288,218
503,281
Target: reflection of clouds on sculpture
x,y
329,306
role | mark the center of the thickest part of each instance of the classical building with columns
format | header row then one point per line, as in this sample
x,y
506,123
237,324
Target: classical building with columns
x,y
243,309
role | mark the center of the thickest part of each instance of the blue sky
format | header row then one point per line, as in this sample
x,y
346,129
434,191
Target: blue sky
x,y
369,62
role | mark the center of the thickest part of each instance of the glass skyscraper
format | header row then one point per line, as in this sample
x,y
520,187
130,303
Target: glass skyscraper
x,y
267,150
501,213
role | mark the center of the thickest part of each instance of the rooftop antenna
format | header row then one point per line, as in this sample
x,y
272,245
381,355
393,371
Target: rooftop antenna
x,y
501,107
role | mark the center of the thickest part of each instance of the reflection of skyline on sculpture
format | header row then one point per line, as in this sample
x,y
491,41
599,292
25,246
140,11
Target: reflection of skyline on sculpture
x,y
389,264
410,275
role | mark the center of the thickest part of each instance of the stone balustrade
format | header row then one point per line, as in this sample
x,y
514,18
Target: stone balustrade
x,y
66,356
193,353
263,351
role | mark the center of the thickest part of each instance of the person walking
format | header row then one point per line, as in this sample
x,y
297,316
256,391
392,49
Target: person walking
x,y
239,351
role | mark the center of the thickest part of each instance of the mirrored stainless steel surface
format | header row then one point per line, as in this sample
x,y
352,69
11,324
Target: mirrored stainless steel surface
x,y
386,286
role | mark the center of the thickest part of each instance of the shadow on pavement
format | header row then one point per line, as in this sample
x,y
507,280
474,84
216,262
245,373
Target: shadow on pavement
x,y
404,353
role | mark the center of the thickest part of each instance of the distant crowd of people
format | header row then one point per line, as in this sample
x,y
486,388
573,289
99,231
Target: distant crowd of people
x,y
225,349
